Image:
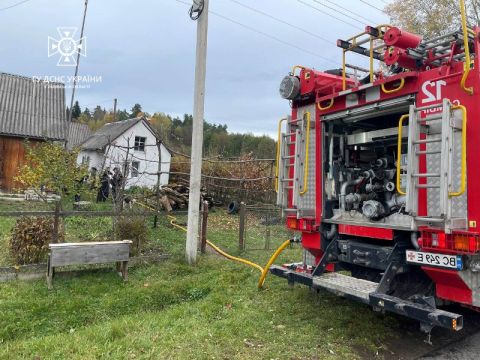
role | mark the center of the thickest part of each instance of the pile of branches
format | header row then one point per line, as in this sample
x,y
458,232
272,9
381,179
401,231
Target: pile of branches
x,y
175,197
244,178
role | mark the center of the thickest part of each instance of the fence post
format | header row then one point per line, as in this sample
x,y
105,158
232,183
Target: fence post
x,y
56,222
241,227
203,242
267,238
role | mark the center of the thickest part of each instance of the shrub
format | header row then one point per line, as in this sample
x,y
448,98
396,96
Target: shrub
x,y
132,228
30,238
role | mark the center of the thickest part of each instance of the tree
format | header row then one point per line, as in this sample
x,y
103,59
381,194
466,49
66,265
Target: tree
x,y
431,17
136,110
76,111
51,166
98,113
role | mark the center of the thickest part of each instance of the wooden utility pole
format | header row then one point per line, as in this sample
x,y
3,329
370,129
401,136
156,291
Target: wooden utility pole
x,y
114,109
197,135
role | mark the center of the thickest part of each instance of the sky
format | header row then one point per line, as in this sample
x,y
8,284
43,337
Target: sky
x,y
144,51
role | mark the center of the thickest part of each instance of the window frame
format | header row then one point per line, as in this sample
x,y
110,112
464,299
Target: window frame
x,y
134,170
139,143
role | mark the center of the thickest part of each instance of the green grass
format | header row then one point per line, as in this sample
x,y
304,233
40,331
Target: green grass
x,y
172,310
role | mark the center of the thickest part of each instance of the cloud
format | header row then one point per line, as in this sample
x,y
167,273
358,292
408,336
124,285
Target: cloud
x,y
145,52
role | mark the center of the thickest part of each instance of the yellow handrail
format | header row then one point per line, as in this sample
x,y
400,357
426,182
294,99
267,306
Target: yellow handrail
x,y
278,152
399,153
464,151
307,143
330,104
344,71
297,67
398,88
466,71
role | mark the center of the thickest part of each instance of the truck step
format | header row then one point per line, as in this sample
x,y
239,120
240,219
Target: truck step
x,y
346,285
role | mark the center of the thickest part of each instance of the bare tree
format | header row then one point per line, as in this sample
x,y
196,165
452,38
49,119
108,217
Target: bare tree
x,y
431,17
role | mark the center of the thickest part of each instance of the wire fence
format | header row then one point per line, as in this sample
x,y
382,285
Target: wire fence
x,y
253,228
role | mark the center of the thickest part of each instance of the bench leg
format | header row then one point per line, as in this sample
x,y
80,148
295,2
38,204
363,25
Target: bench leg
x,y
125,270
119,268
49,274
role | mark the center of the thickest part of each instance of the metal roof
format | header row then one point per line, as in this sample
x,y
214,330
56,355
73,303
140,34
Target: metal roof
x,y
77,133
30,108
109,132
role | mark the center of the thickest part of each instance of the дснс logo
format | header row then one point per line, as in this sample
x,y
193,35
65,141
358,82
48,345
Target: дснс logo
x,y
67,47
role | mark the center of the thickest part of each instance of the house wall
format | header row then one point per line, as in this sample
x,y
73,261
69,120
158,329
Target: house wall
x,y
94,158
148,159
12,157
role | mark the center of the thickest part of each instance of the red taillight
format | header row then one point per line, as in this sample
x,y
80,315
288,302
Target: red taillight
x,y
292,223
461,241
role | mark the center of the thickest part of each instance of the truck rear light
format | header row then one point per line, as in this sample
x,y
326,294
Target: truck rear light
x,y
464,242
467,243
292,223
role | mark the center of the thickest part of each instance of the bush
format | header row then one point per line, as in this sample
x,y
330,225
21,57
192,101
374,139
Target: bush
x,y
30,238
132,228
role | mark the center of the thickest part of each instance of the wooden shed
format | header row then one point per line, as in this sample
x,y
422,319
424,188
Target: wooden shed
x,y
32,111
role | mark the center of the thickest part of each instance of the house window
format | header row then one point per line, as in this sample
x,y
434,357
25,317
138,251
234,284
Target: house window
x,y
135,167
85,160
139,143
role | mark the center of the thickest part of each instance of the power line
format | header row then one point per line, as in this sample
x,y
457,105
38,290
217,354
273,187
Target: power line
x,y
272,37
344,8
372,6
328,14
283,22
14,5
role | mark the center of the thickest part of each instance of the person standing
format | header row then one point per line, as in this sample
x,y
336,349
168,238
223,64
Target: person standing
x,y
104,189
117,182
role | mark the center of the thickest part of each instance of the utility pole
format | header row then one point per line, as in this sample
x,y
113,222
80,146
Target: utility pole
x,y
199,12
114,109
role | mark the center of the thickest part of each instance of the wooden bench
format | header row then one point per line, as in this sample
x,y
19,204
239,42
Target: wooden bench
x,y
88,253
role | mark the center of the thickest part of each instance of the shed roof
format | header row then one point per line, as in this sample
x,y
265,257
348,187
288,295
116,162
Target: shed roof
x,y
77,133
32,109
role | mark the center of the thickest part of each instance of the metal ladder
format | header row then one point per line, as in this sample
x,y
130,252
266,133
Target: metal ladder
x,y
297,134
443,134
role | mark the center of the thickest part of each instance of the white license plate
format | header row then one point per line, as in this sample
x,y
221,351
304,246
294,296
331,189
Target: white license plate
x,y
432,259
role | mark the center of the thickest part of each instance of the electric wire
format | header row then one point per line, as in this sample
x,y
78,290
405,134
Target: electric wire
x,y
272,37
370,22
328,14
372,6
14,5
283,22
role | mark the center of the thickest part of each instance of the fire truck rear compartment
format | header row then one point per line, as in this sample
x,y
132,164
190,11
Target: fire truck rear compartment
x,y
360,161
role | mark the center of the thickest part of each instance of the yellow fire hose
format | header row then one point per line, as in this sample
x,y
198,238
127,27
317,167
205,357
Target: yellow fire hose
x,y
264,271
270,262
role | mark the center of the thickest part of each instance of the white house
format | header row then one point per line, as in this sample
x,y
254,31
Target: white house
x,y
131,142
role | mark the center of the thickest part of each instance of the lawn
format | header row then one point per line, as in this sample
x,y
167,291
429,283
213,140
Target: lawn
x,y
172,310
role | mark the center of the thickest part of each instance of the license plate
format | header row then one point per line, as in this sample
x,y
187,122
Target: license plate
x,y
432,259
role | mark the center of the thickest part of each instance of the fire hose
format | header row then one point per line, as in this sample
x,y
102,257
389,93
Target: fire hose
x,y
264,271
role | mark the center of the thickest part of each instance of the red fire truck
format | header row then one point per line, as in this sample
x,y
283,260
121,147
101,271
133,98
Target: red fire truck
x,y
380,173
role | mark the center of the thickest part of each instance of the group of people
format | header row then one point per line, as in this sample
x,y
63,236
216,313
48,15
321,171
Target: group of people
x,y
109,180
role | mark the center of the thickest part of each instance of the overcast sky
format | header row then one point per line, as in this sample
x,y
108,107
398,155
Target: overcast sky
x,y
144,51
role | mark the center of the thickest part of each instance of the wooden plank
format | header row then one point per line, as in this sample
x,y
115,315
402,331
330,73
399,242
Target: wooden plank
x,y
92,243
89,255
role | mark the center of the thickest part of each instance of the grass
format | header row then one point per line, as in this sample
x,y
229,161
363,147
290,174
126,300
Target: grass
x,y
172,310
